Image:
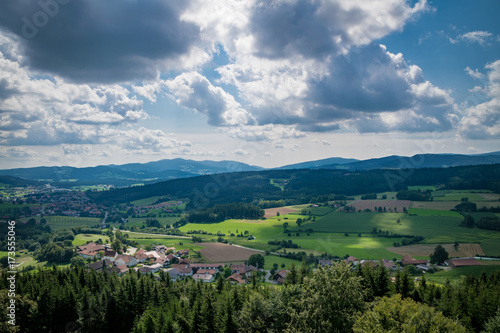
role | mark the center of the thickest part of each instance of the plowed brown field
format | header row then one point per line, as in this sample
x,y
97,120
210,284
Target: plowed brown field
x,y
218,252
424,250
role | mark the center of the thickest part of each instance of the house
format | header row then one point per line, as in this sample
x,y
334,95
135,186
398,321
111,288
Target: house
x,y
464,262
155,267
183,252
160,248
352,260
250,269
240,268
184,261
236,278
100,265
170,257
123,259
280,276
371,263
185,271
389,264
203,277
141,255
174,274
122,269
163,261
90,250
325,262
145,270
110,255
152,254
408,260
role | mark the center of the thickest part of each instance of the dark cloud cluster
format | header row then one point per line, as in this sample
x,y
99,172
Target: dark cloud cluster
x,y
98,41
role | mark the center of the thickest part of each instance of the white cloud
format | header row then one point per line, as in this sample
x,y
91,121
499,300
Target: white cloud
x,y
482,121
480,37
269,132
193,90
46,110
476,74
241,152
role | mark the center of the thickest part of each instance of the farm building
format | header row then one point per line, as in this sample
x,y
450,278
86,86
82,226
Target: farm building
x,y
90,250
206,266
463,262
408,260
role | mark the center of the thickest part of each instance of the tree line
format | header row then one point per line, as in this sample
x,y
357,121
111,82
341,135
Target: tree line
x,y
303,185
219,213
336,299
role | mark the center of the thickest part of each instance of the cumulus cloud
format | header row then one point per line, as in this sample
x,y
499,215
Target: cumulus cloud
x,y
96,41
269,132
194,91
482,121
322,28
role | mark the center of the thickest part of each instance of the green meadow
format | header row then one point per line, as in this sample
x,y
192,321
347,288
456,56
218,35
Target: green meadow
x,y
67,222
81,239
341,234
455,275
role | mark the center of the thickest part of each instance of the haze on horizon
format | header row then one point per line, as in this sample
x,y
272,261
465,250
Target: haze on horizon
x,y
266,83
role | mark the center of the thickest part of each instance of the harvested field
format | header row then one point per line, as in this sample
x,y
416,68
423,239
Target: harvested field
x,y
439,205
424,250
490,196
270,212
388,204
218,252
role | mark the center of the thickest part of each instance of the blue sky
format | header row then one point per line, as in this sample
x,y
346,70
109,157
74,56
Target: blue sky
x,y
262,82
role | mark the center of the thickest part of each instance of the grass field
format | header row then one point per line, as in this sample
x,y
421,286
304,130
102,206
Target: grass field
x,y
145,202
81,239
433,212
138,221
66,222
455,275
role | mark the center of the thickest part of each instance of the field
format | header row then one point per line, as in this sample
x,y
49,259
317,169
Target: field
x,y
455,275
339,233
218,252
66,222
424,250
395,205
81,239
270,212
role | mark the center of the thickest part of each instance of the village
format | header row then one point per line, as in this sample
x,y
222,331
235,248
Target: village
x,y
178,266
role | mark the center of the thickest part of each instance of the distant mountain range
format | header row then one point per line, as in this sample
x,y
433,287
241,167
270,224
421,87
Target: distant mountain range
x,y
151,172
401,162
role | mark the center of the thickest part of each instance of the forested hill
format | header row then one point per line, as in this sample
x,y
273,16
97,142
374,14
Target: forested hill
x,y
298,186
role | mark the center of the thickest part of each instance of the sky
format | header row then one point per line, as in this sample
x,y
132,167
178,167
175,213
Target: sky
x,y
267,83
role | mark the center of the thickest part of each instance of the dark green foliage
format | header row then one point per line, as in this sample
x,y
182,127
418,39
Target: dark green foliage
x,y
413,195
369,196
219,213
489,223
326,300
439,255
55,253
205,191
466,206
256,260
468,221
